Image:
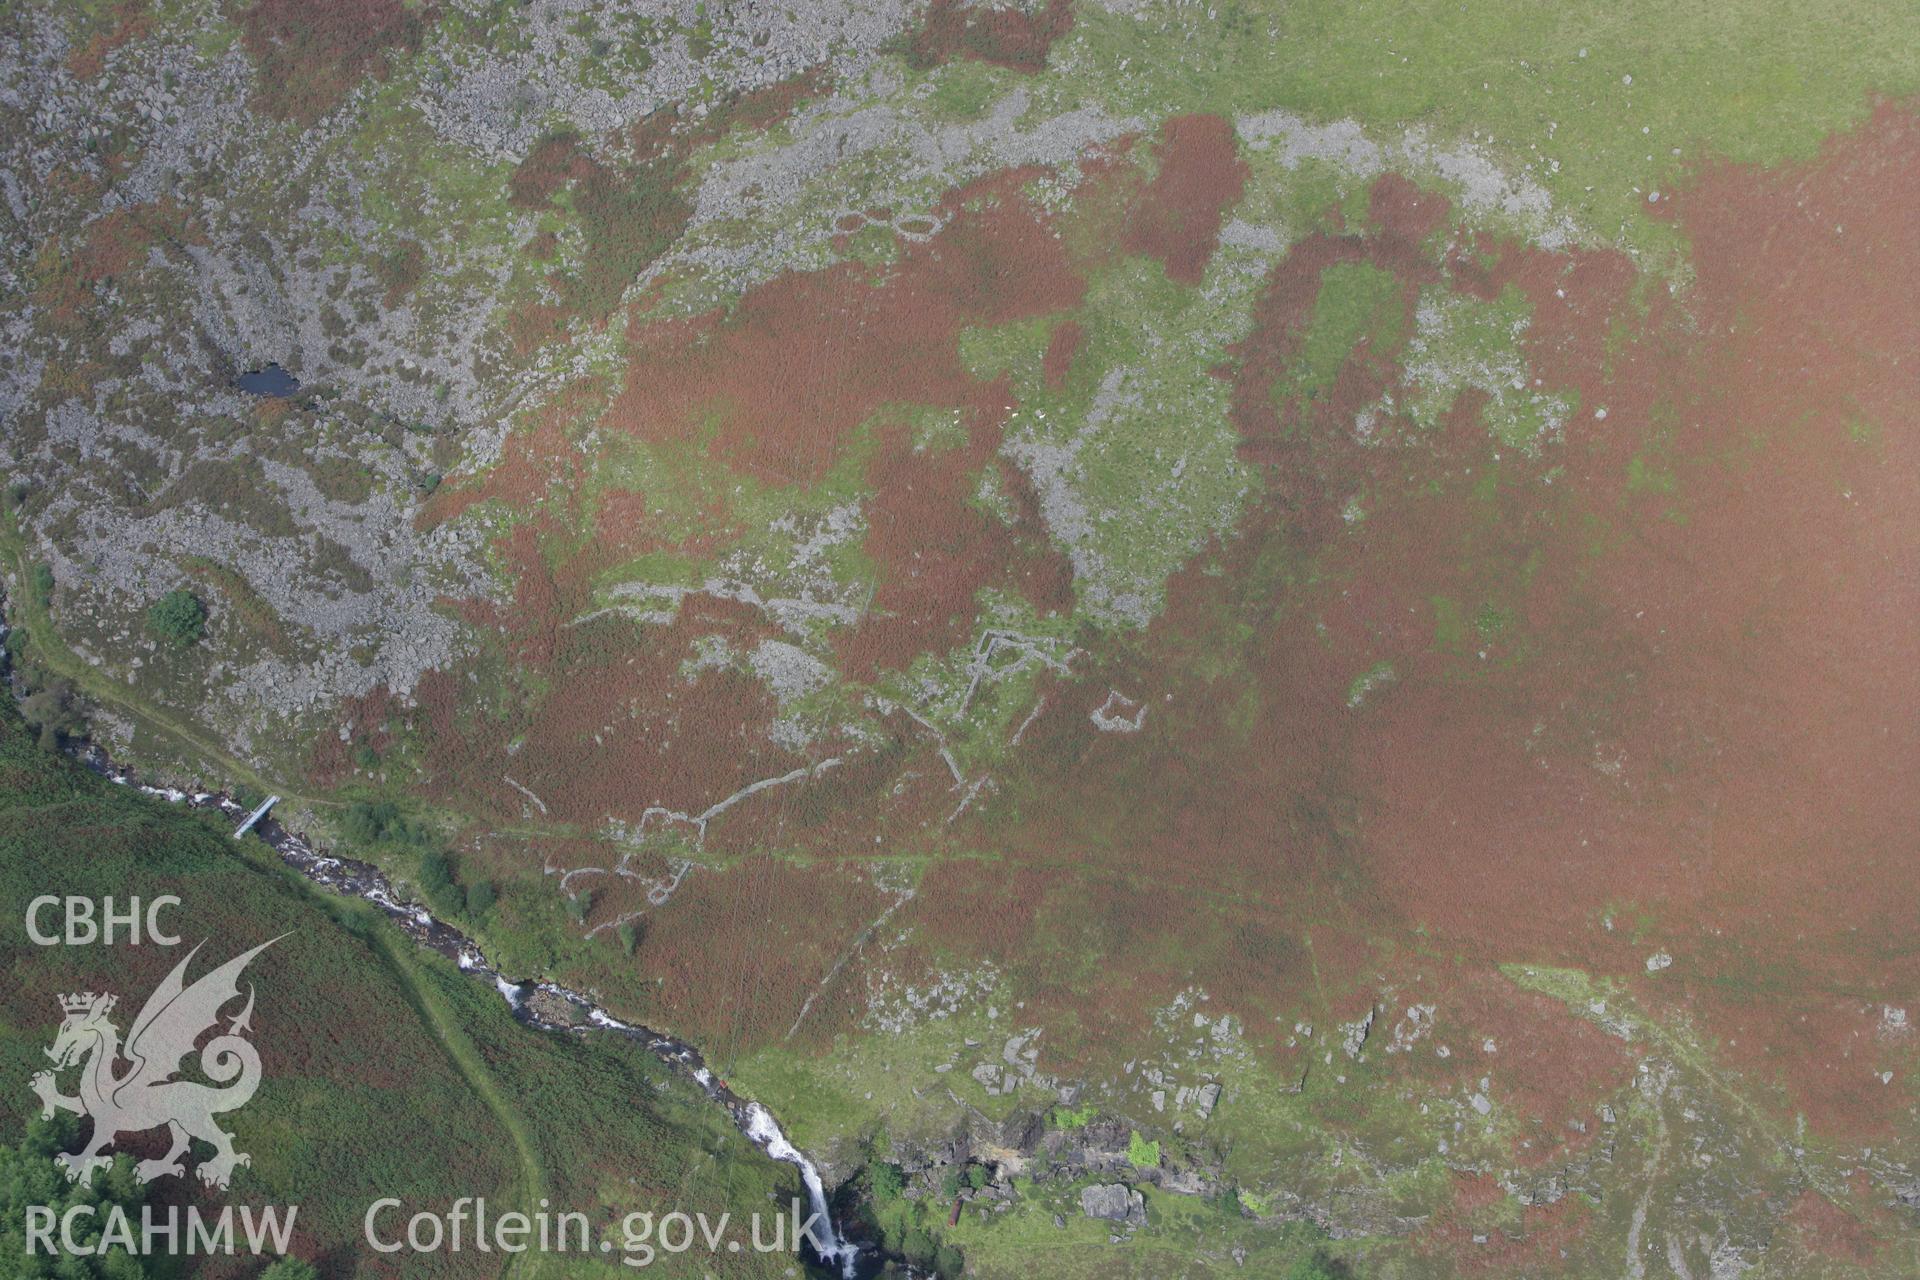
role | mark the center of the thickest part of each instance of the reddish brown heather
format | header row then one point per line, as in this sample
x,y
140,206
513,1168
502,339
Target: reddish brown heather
x,y
617,731
668,134
118,241
1062,347
934,548
535,465
1703,713
775,387
625,526
367,720
761,109
533,323
740,949
114,244
401,271
1692,702
621,732
1476,1236
1737,623
1400,208
1306,448
1816,1225
1177,215
310,56
881,797
625,720
1007,37
554,161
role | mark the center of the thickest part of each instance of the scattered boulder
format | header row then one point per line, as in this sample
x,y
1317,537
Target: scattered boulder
x,y
1353,1035
1113,1202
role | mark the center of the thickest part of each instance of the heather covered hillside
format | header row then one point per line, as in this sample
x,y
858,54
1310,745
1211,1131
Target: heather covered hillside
x,y
1267,638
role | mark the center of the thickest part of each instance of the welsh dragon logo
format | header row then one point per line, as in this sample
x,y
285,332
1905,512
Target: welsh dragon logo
x,y
145,1095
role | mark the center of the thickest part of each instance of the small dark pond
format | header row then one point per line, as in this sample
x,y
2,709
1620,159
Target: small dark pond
x,y
270,381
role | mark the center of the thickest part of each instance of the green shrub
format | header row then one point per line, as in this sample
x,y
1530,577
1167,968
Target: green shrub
x,y
886,1182
43,583
919,1247
1318,1266
54,713
976,1176
368,823
1141,1153
177,618
437,882
480,899
629,936
435,871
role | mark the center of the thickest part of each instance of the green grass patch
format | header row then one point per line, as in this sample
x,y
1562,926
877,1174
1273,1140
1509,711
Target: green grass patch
x,y
1358,302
